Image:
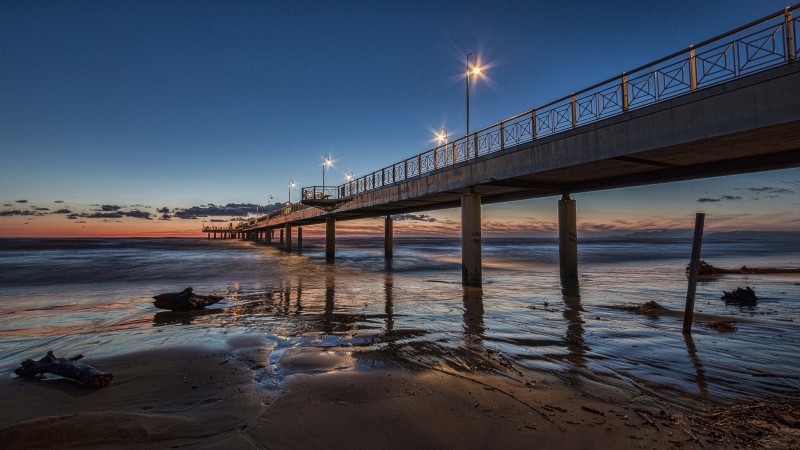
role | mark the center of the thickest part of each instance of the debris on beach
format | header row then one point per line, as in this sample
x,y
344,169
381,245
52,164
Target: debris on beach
x,y
755,425
739,296
64,367
650,307
706,269
722,325
184,300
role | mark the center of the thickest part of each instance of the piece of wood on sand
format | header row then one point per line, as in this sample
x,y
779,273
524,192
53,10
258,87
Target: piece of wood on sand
x,y
184,300
65,367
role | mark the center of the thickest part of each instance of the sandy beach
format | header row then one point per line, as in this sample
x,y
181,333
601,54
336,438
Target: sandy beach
x,y
180,397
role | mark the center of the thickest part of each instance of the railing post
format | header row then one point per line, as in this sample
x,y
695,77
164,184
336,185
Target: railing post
x,y
502,135
374,186
625,104
435,158
394,173
419,164
475,145
692,68
574,112
533,123
788,28
405,169
454,151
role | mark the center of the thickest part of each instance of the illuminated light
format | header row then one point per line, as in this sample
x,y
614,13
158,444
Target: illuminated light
x,y
476,70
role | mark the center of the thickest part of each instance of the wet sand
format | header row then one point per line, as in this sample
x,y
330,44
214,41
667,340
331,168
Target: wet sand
x,y
210,398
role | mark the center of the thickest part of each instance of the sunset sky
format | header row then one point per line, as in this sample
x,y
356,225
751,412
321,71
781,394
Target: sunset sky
x,y
145,118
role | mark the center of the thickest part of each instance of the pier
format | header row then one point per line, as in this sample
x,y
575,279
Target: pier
x,y
726,106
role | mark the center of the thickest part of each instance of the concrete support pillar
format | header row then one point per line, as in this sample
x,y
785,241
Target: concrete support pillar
x,y
288,228
388,236
567,237
281,237
471,239
299,237
269,235
330,238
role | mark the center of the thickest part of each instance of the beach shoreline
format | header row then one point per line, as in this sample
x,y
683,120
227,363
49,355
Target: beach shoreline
x,y
216,398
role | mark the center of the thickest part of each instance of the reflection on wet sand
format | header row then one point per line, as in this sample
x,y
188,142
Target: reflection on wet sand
x,y
700,371
388,288
182,317
574,339
474,326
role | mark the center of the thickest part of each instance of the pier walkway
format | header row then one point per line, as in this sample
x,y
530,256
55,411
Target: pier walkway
x,y
729,105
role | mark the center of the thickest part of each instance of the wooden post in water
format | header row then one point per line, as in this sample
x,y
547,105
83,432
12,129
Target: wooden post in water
x,y
694,265
388,236
299,237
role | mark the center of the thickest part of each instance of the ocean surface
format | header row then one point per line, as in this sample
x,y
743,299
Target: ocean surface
x,y
94,297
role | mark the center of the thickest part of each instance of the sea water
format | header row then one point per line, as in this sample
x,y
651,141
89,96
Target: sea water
x,y
94,297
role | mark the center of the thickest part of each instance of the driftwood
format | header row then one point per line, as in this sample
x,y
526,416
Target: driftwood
x,y
184,300
65,367
707,269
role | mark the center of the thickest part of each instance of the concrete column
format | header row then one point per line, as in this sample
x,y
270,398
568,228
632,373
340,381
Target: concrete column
x,y
330,238
269,235
281,238
299,237
288,228
388,236
471,239
567,237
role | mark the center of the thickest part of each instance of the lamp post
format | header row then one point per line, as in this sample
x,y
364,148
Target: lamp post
x,y
350,182
291,186
325,165
474,70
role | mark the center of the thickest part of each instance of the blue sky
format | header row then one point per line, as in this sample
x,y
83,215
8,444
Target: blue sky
x,y
184,103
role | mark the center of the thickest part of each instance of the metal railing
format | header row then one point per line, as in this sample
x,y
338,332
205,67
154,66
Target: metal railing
x,y
754,47
757,46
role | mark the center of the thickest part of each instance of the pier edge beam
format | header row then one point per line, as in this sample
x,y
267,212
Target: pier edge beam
x,y
288,228
299,237
471,238
567,237
388,235
330,238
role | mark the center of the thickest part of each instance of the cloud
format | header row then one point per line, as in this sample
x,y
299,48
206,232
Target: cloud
x,y
21,201
109,208
137,214
41,209
163,210
731,197
770,190
17,212
102,215
165,217
707,200
62,211
73,216
6,204
415,217
230,210
59,201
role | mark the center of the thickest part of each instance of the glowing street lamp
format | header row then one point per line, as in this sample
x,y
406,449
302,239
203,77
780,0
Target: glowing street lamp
x,y
291,186
325,165
442,136
475,69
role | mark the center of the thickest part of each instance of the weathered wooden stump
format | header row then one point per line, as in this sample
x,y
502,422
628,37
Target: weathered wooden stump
x,y
65,367
184,300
